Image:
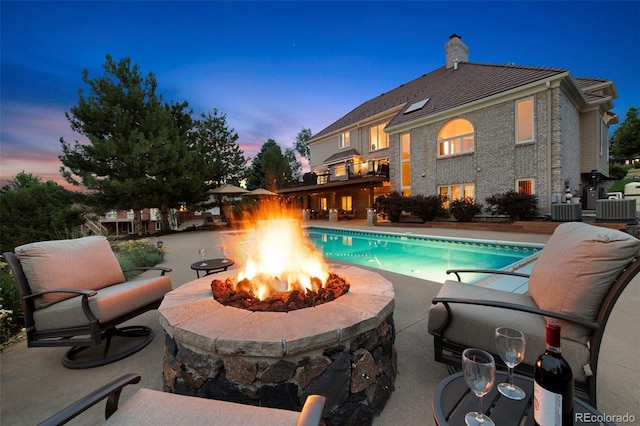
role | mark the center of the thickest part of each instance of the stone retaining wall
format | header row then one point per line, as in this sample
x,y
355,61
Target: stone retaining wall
x,y
357,378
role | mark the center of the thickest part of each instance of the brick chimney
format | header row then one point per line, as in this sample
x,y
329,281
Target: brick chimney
x,y
456,51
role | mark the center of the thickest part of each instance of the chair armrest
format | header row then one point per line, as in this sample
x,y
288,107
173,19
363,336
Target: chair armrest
x,y
111,391
312,411
506,305
163,269
486,271
86,294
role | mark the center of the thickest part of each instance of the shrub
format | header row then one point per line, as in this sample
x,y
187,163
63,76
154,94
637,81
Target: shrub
x,y
137,254
514,204
391,206
464,209
11,316
618,171
427,207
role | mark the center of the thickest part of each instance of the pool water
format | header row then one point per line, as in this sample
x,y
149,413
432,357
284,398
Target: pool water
x,y
419,256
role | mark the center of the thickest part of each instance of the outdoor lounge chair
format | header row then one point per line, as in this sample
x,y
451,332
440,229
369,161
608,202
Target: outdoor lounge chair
x,y
74,294
346,214
151,407
576,281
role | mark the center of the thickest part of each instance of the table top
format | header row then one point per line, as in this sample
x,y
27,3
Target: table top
x,y
453,399
211,264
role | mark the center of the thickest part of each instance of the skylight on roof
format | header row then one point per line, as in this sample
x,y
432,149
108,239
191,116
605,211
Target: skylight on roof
x,y
417,105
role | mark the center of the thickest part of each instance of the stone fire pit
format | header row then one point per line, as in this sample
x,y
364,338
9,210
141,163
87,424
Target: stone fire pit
x,y
342,349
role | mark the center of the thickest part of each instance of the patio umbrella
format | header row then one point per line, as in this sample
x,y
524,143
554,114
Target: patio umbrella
x,y
261,192
228,189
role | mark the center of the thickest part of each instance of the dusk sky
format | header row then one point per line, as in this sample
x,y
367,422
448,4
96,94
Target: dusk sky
x,y
274,68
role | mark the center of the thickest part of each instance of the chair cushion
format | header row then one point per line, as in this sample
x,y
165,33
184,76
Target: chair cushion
x,y
148,406
83,263
575,270
474,326
110,303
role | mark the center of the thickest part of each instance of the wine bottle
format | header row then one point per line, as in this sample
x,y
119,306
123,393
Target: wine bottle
x,y
553,384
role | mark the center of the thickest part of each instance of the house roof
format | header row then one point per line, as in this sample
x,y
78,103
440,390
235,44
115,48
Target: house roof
x,y
596,89
341,155
447,89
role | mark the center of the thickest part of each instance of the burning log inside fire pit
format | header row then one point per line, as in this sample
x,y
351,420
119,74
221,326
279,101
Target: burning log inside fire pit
x,y
240,295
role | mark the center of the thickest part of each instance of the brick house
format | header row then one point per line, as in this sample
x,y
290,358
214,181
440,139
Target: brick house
x,y
465,129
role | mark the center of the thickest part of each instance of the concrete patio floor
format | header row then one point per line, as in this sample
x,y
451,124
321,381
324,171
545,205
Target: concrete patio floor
x,y
34,384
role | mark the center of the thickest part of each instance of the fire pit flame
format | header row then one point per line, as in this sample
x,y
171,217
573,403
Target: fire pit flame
x,y
280,260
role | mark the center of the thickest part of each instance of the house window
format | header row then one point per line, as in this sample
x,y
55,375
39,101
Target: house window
x,y
456,192
158,225
456,137
346,203
604,139
525,186
323,203
341,170
405,161
524,120
323,176
345,140
378,139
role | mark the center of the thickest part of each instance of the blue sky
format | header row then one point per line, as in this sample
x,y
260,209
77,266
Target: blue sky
x,y
276,67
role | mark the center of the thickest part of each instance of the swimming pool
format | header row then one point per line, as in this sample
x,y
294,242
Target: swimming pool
x,y
419,256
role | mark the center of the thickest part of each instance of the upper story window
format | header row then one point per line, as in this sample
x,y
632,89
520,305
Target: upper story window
x,y
345,140
524,120
405,163
378,138
604,140
456,137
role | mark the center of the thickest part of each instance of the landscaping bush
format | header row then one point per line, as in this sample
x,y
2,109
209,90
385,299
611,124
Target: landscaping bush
x,y
11,316
617,171
138,254
464,209
391,206
427,207
516,205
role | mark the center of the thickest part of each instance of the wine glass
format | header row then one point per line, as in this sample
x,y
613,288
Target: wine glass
x,y
203,253
223,250
479,369
510,344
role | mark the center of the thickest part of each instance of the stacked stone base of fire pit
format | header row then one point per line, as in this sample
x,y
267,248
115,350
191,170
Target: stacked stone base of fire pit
x,y
343,350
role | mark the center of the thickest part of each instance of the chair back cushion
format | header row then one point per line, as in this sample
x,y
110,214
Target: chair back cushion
x,y
83,263
575,270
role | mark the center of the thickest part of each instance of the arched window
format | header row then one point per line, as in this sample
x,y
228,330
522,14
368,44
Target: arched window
x,y
456,137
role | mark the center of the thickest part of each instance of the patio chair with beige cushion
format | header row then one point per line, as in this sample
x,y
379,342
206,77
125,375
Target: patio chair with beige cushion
x,y
576,281
151,407
74,294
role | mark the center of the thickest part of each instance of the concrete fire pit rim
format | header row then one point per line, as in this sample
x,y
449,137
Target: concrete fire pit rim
x,y
369,302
